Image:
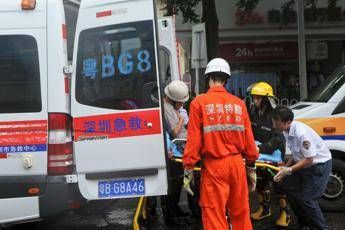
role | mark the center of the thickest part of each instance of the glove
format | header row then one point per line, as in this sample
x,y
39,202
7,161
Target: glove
x,y
251,177
188,179
284,171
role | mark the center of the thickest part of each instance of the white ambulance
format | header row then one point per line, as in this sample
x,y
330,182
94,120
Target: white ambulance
x,y
324,111
116,146
168,61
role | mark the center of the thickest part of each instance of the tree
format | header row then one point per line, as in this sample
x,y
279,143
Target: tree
x,y
209,17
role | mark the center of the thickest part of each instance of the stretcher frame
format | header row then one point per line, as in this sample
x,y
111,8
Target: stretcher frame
x,y
141,206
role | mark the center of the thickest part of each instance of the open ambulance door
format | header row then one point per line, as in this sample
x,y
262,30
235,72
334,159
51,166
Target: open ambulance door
x,y
169,65
116,109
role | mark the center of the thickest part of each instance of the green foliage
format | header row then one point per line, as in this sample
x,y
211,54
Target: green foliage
x,y
286,11
247,5
186,7
332,3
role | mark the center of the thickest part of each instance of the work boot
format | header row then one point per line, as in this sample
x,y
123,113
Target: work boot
x,y
285,218
264,209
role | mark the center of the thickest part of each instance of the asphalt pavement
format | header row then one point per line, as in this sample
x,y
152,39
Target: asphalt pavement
x,y
118,214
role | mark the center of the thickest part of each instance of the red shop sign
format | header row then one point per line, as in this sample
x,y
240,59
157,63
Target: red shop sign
x,y
273,51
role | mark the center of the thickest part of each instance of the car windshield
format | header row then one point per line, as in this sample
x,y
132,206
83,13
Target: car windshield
x,y
327,89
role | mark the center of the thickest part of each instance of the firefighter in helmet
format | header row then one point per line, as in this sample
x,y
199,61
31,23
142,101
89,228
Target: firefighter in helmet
x,y
270,140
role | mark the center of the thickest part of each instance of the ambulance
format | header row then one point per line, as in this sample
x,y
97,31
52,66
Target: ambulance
x,y
80,112
168,58
324,111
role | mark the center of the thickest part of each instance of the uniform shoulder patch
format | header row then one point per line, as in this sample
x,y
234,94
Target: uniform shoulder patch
x,y
306,144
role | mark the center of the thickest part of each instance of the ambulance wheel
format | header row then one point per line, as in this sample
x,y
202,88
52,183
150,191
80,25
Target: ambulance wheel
x,y
333,198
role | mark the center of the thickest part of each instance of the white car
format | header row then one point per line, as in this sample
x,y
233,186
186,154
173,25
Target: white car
x,y
324,111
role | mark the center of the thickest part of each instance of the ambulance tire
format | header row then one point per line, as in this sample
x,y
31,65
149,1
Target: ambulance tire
x,y
334,195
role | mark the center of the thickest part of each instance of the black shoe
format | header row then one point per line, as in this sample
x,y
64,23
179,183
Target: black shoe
x,y
181,213
189,220
174,221
151,212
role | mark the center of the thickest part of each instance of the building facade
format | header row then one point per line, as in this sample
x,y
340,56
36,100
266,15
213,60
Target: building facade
x,y
263,44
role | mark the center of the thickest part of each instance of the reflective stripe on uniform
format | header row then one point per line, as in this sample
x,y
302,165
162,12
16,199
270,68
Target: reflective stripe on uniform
x,y
224,127
266,128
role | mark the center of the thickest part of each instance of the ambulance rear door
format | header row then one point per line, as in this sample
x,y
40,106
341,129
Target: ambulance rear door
x,y
116,108
168,53
23,110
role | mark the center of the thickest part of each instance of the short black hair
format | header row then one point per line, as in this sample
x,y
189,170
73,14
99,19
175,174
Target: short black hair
x,y
218,76
282,113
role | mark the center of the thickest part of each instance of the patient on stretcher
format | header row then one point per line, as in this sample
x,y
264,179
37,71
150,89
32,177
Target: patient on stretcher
x,y
275,157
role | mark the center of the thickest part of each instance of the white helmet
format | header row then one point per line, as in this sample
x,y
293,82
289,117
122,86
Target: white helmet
x,y
218,65
177,91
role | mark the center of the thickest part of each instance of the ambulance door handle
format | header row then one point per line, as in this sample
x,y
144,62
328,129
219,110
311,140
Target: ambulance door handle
x,y
329,129
27,161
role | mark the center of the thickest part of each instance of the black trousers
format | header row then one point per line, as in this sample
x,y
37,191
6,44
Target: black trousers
x,y
170,202
304,188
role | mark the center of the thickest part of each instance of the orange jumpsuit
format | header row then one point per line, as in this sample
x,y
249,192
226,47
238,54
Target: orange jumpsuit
x,y
220,134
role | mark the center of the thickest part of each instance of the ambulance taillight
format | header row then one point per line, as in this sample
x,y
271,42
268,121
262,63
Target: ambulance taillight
x,y
28,4
60,145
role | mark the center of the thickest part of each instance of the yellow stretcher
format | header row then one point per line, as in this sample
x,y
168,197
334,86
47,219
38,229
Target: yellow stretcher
x,y
140,211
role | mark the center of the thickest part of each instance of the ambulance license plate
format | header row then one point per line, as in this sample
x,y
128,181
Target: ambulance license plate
x,y
116,188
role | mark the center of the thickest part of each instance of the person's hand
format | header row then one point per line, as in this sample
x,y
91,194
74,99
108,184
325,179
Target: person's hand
x,y
170,153
284,171
251,178
188,179
180,117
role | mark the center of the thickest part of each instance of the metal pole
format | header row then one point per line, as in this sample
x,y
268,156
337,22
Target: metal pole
x,y
197,77
301,51
197,64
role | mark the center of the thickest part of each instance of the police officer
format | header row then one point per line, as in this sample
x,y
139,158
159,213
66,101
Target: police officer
x,y
304,177
220,134
270,141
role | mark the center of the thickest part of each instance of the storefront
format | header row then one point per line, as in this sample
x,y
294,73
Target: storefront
x,y
264,44
272,62
277,63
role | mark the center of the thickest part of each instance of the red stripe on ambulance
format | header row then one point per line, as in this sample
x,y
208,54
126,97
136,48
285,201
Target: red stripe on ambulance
x,y
23,132
117,125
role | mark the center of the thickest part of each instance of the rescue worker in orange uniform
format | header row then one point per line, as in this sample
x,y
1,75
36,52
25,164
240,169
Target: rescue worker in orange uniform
x,y
220,135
